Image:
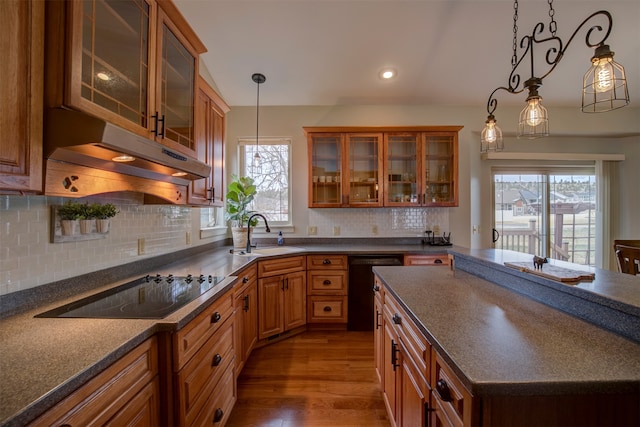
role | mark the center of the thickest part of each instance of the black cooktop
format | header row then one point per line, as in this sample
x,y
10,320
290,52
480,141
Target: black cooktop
x,y
150,297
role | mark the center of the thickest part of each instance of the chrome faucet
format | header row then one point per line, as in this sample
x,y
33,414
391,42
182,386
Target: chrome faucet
x,y
266,225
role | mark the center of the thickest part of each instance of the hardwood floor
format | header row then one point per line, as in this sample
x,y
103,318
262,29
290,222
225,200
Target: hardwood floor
x,y
317,378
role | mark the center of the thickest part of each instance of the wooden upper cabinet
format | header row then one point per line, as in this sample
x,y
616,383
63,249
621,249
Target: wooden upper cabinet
x,y
21,46
383,166
132,63
210,111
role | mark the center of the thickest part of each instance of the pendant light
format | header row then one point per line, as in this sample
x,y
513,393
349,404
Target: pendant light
x,y
604,84
257,161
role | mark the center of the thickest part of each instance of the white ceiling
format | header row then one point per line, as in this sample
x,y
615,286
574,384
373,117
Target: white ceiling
x,y
446,52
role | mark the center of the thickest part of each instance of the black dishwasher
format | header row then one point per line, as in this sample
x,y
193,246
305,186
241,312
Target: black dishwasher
x,y
360,301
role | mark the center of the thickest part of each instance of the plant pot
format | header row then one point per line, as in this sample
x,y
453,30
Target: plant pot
x,y
86,226
69,227
239,237
102,225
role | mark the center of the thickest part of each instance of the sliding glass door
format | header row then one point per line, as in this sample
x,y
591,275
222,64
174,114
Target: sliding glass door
x,y
549,213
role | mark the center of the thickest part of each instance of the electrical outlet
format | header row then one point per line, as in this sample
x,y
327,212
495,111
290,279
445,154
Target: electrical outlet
x,y
436,230
312,230
374,229
141,246
336,230
188,238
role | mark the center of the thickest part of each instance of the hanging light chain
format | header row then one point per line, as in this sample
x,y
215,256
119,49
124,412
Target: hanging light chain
x,y
514,58
553,25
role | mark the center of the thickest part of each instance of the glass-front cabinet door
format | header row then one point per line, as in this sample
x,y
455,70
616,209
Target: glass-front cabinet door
x,y
176,87
401,166
109,60
364,153
440,160
325,174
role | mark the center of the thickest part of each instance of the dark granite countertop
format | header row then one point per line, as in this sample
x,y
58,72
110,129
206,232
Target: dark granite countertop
x,y
44,359
503,343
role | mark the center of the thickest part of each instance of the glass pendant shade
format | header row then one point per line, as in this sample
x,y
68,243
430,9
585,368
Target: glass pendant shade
x,y
534,120
604,84
491,136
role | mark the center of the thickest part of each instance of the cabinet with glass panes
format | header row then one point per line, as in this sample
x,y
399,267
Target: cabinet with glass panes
x,y
383,166
133,63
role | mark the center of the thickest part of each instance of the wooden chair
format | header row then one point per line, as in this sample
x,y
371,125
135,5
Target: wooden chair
x,y
628,259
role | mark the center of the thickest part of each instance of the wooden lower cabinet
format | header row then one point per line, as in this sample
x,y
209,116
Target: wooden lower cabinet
x,y
327,289
282,295
246,315
126,393
435,260
204,360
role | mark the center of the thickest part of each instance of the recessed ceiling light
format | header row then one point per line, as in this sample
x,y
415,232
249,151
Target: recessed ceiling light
x,y
387,73
179,174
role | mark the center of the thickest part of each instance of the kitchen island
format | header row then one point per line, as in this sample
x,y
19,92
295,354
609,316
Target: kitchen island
x,y
521,361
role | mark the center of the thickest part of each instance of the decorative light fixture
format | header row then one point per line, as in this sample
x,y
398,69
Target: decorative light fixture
x,y
258,79
604,84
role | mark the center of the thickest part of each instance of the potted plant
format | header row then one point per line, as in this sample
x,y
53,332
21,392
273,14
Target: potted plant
x,y
103,214
70,213
240,194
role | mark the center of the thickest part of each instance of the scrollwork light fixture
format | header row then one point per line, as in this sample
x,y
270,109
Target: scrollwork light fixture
x,y
604,84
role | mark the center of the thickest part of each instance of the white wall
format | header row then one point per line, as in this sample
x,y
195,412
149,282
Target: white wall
x,y
572,132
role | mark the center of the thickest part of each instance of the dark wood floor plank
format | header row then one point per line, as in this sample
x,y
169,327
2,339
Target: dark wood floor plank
x,y
315,379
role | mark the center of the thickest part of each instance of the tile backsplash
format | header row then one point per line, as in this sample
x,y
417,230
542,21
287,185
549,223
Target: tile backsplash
x,y
29,259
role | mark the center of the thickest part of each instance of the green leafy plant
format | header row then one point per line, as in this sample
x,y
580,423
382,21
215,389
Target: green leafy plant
x,y
73,210
105,211
240,194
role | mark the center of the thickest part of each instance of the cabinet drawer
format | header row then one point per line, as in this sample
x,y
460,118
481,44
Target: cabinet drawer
x,y
323,282
245,278
188,340
272,267
198,379
99,400
217,409
419,349
436,260
449,395
326,262
327,309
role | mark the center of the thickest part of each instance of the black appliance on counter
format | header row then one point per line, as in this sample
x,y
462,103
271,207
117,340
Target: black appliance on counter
x,y
360,300
150,297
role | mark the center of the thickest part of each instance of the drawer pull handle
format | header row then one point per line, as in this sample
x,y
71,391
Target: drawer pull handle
x,y
215,317
216,360
327,308
394,357
437,261
217,417
246,303
245,279
326,261
376,288
443,392
326,282
378,314
397,319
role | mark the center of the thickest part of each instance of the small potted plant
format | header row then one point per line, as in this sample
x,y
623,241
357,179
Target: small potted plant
x,y
70,213
87,218
240,194
103,214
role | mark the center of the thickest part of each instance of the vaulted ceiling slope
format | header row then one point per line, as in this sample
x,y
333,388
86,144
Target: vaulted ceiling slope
x,y
445,52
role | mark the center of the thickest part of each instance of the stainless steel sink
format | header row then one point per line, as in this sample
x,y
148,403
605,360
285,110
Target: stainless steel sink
x,y
270,251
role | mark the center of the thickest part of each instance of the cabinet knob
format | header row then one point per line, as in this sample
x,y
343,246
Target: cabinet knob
x,y
327,309
326,282
443,392
326,261
396,319
437,261
215,317
376,288
216,360
219,414
245,279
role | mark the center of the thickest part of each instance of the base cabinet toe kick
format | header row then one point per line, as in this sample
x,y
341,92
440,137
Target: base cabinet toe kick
x,y
432,374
